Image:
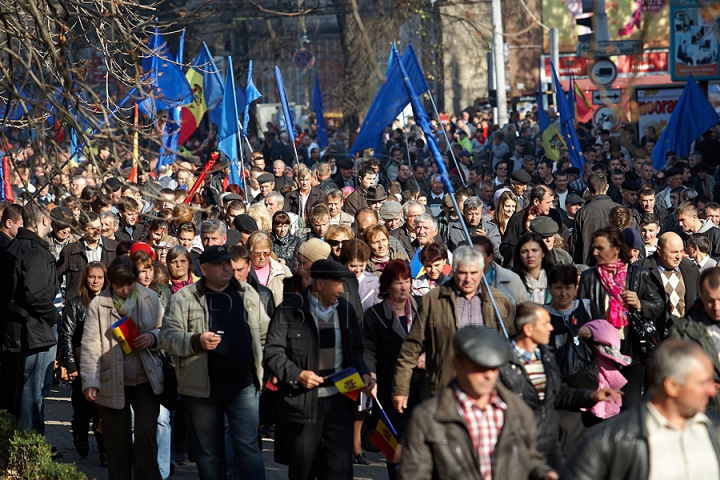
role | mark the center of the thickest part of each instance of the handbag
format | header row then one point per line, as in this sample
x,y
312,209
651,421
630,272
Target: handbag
x,y
643,333
577,362
168,398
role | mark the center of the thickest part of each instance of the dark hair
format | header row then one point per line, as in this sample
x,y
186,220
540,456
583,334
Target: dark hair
x,y
484,243
280,218
187,226
122,271
537,193
354,248
394,270
176,252
158,224
565,274
239,252
616,239
433,253
649,218
123,248
12,212
527,238
83,292
620,217
99,202
712,275
700,241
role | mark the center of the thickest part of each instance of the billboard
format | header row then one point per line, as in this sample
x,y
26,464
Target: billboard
x,y
693,42
655,106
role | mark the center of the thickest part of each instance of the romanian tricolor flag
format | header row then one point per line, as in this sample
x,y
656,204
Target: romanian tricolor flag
x,y
583,106
552,140
125,332
207,87
385,437
417,269
348,382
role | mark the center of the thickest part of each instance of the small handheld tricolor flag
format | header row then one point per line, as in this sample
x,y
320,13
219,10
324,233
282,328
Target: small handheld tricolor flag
x,y
125,332
417,269
385,437
348,382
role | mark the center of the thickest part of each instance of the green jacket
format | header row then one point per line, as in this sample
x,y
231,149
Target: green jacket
x,y
187,317
692,328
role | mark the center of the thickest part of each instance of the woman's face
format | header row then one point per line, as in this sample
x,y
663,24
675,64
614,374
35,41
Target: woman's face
x,y
146,276
434,270
179,268
509,208
161,253
124,291
336,243
95,280
155,236
356,266
563,294
399,290
281,229
531,255
380,245
603,252
260,254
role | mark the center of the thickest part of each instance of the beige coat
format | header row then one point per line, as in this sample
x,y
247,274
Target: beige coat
x,y
278,272
101,362
187,317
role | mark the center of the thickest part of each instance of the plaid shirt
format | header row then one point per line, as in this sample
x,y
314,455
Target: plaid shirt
x,y
484,426
524,355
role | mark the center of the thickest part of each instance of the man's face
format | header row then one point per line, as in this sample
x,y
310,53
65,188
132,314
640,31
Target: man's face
x,y
167,200
375,206
518,188
617,180
266,188
590,156
364,221
320,226
328,291
425,232
671,253
688,223
13,226
572,209
259,162
543,171
272,204
219,274
368,180
646,173
473,216
546,203
542,328
278,168
182,177
414,211
713,215
91,232
501,170
647,203
486,193
77,186
61,232
210,239
614,164
334,205
304,182
437,187
629,197
519,149
397,155
403,173
394,223
674,181
648,233
561,183
467,278
474,379
529,166
419,174
692,397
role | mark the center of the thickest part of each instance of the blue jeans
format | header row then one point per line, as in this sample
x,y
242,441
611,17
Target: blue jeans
x,y
163,437
208,418
35,376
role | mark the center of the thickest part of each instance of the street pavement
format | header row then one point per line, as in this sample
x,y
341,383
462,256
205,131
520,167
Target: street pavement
x,y
58,412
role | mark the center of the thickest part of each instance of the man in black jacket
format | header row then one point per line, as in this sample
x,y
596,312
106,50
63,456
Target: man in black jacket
x,y
592,217
28,325
530,362
313,335
667,433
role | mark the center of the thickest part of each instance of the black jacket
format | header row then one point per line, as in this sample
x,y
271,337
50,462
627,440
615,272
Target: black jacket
x,y
617,449
403,236
691,278
558,395
292,201
653,304
139,232
340,181
284,248
73,261
71,332
515,229
28,285
590,218
292,346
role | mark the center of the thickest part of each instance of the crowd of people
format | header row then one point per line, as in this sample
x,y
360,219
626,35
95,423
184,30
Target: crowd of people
x,y
537,321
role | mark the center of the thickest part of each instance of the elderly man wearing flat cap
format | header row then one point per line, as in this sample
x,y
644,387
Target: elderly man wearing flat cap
x,y
216,329
474,428
313,335
547,229
267,185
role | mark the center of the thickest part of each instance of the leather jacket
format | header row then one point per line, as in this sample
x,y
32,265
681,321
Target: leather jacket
x,y
71,332
284,248
617,449
653,305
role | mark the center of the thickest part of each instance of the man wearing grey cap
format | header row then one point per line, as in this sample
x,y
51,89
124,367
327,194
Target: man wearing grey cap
x,y
474,427
547,228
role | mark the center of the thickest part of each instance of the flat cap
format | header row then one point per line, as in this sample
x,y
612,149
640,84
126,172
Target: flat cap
x,y
113,184
630,185
521,176
62,216
390,210
520,142
245,223
345,164
448,201
229,197
574,199
376,193
544,226
266,178
572,171
329,270
672,172
632,238
464,153
214,255
482,346
233,237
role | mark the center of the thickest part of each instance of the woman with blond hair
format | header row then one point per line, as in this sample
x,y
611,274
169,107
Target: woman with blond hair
x,y
262,217
336,236
505,207
265,266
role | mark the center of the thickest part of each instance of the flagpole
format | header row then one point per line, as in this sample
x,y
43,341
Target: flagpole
x,y
407,145
241,171
447,140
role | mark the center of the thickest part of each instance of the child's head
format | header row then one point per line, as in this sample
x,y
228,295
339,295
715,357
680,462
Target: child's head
x,y
649,228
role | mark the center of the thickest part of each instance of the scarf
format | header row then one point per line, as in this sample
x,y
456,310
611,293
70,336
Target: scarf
x,y
537,288
125,305
380,262
178,284
612,277
408,315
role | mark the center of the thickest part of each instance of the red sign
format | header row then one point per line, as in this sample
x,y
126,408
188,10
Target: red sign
x,y
569,64
648,62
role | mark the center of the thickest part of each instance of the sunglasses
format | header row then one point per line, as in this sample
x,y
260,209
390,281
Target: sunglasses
x,y
334,243
261,254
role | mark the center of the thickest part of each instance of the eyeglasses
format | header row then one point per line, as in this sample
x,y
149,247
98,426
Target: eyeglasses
x,y
261,254
501,168
334,243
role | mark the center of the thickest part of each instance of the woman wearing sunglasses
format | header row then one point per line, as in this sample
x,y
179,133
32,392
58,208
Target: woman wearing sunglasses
x,y
268,271
336,236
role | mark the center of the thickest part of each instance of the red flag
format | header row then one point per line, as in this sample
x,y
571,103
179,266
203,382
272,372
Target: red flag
x,y
201,178
6,181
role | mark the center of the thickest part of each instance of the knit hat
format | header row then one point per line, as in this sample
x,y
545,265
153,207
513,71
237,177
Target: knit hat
x,y
314,250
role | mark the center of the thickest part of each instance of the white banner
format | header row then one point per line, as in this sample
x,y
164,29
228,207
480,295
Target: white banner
x,y
656,106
